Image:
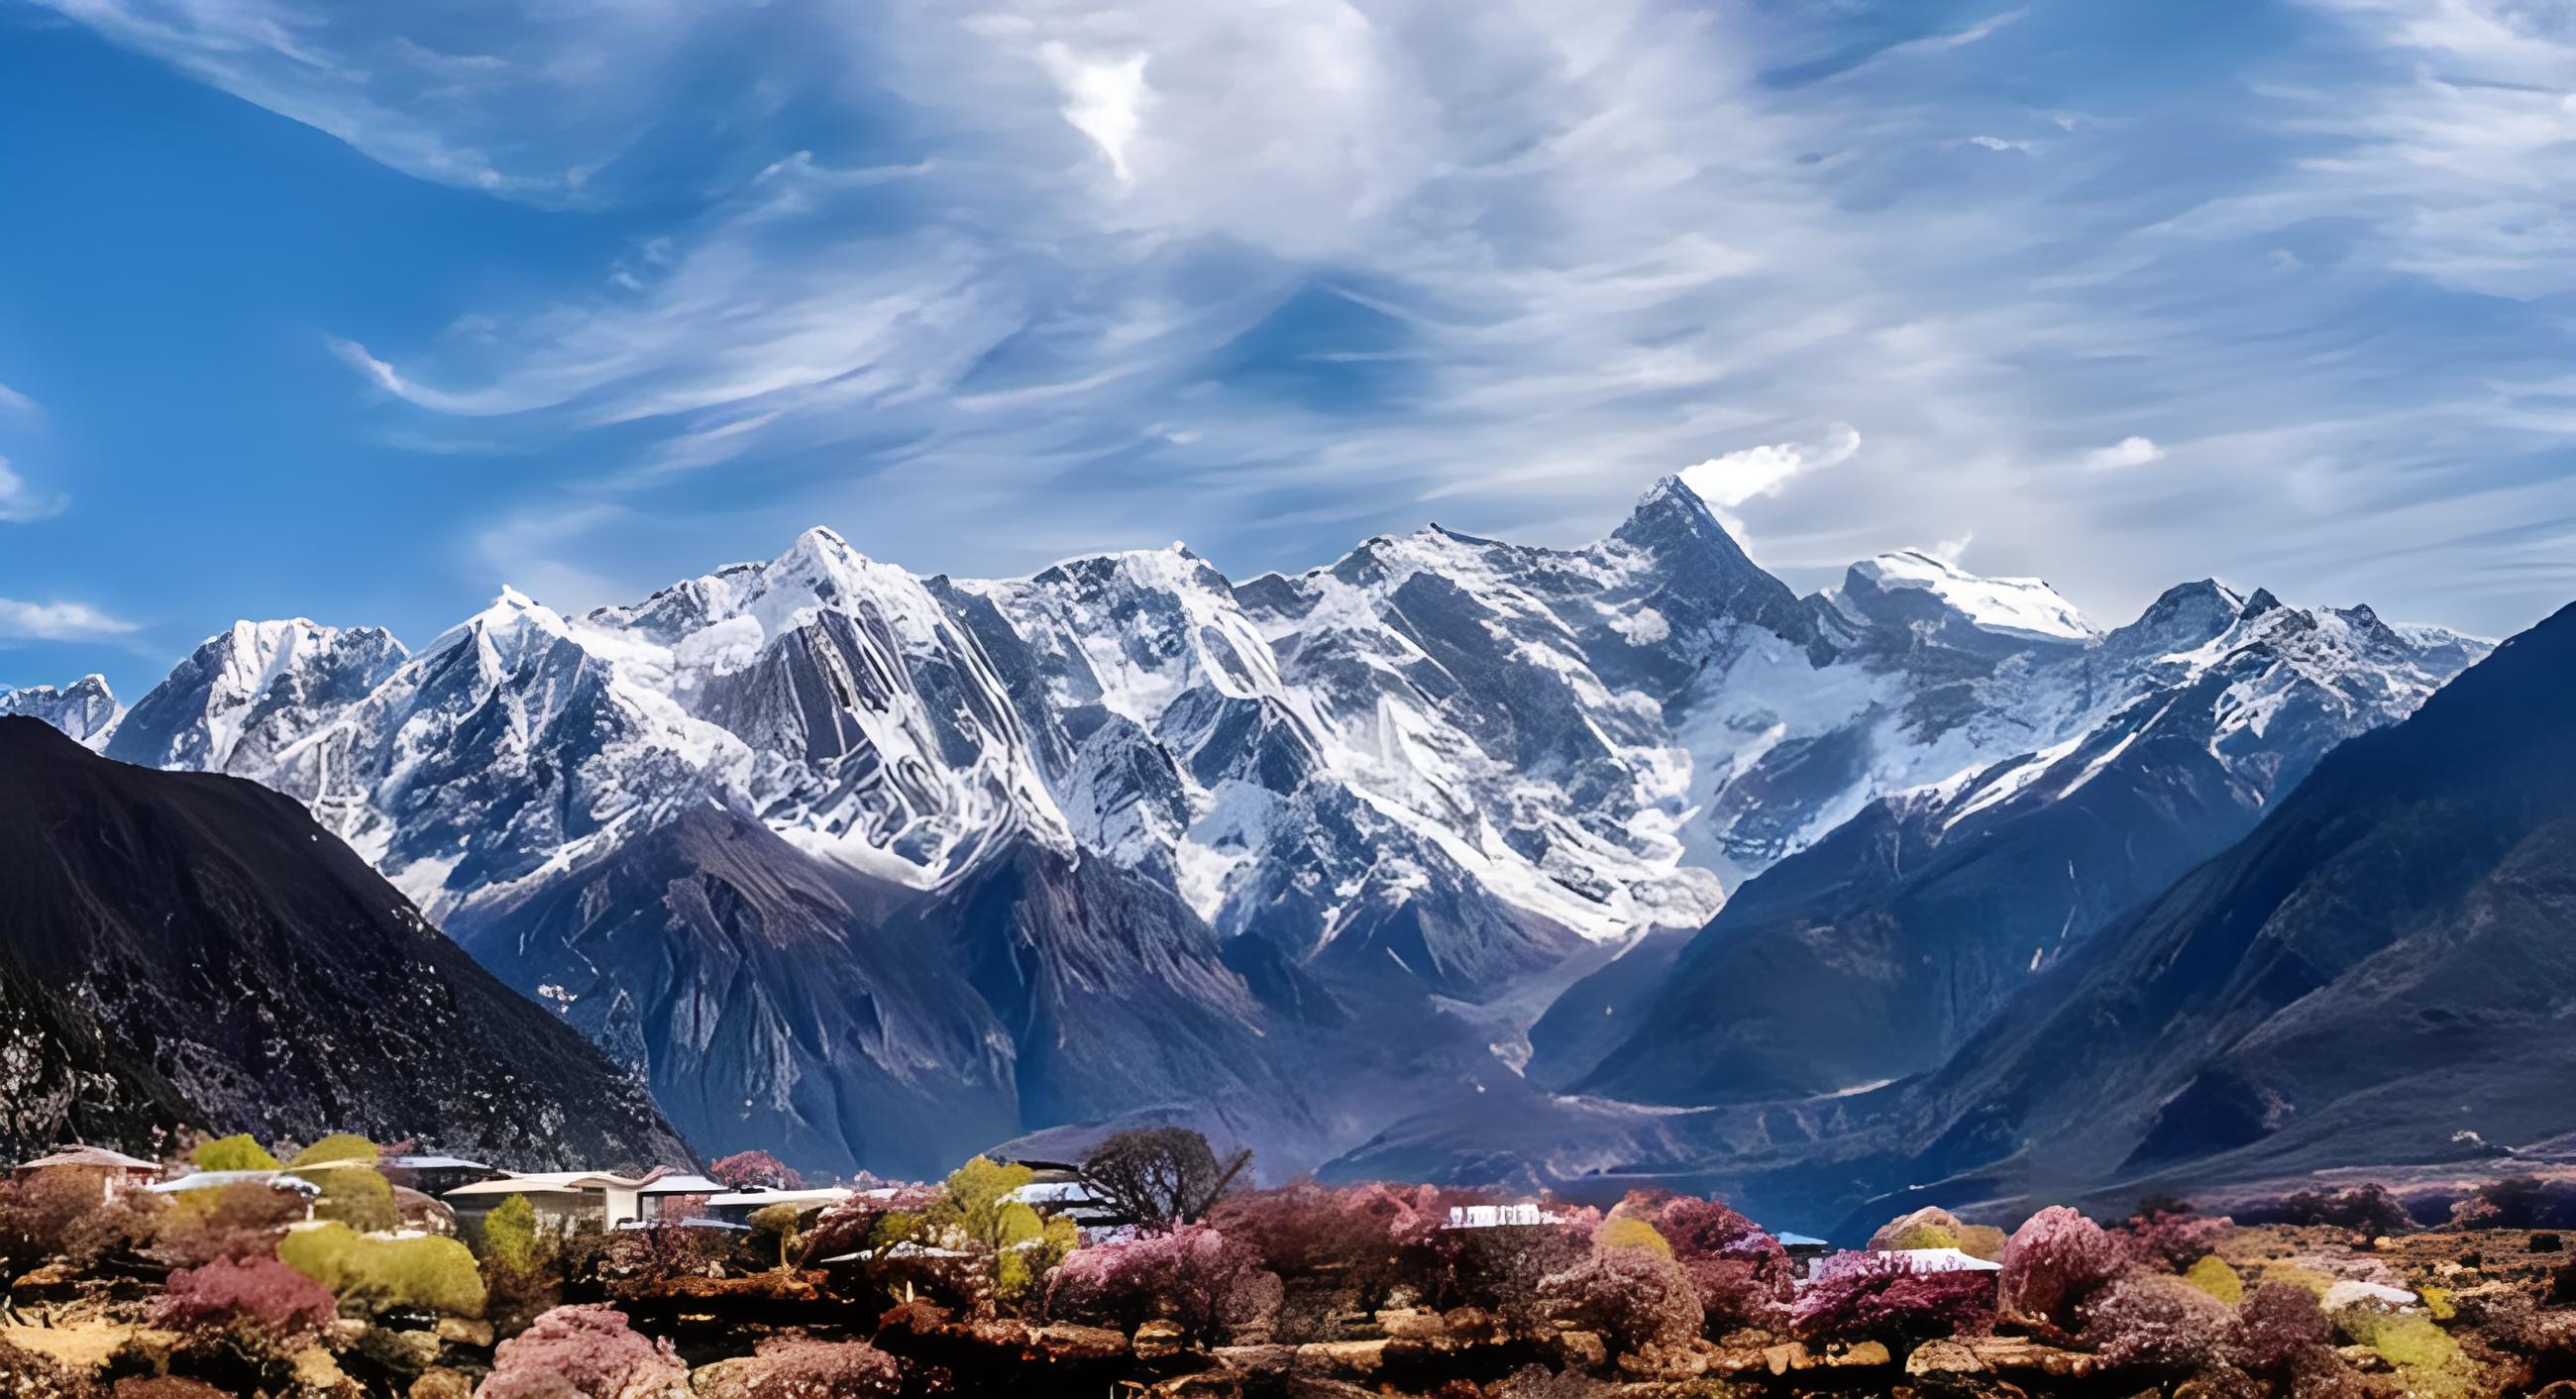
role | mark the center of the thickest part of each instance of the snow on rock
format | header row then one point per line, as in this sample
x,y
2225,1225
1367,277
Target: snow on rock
x,y
1495,745
85,709
2016,607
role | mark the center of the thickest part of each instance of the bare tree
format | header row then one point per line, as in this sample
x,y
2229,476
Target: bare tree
x,y
1158,1177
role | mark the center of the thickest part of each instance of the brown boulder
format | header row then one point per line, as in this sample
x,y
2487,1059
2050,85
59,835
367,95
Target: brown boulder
x,y
1160,1339
1859,1355
1787,1356
1064,1342
440,1383
2017,1354
1270,1359
1943,1358
724,1379
403,1352
1411,1324
1354,1358
465,1331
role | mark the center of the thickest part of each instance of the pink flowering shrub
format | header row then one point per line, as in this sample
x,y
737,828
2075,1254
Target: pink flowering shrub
x,y
1742,1275
1868,1297
1377,1238
2174,1239
745,1170
1630,1297
1296,1229
238,1222
586,1352
2158,1321
797,1368
2282,1334
261,1301
2055,1260
1193,1275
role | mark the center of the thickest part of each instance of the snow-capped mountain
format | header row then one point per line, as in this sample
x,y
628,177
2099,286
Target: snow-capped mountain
x,y
85,709
245,695
1442,762
1875,952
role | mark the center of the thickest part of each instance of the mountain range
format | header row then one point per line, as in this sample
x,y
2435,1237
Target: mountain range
x,y
875,869
2380,974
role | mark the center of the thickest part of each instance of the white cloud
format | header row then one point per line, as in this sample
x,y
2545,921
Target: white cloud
x,y
21,502
2125,453
1532,255
1731,480
16,402
58,621
1104,100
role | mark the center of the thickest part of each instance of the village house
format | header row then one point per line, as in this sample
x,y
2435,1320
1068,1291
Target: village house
x,y
738,1206
573,1200
305,1190
114,1171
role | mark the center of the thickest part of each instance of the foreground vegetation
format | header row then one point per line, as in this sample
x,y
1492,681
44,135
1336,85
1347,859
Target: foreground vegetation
x,y
959,1288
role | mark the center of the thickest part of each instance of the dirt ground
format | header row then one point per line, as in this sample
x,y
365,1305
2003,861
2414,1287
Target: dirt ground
x,y
2540,1261
84,1345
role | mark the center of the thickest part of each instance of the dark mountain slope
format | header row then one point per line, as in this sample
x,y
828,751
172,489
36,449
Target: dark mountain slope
x,y
183,948
747,982
2383,972
1876,952
779,1000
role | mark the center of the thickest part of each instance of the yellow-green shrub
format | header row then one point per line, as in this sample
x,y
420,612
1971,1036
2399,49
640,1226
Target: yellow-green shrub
x,y
339,1146
2408,1342
510,1235
1625,1231
2431,1364
352,1194
2212,1275
1982,1241
238,1152
430,1272
1923,1236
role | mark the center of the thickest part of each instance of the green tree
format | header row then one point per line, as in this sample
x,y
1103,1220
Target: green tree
x,y
777,1221
510,1235
1013,1242
354,1192
238,1152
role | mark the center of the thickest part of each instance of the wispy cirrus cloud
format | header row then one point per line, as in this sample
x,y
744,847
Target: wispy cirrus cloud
x,y
1041,270
21,501
59,621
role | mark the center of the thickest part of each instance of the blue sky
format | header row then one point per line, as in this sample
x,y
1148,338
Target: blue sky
x,y
360,311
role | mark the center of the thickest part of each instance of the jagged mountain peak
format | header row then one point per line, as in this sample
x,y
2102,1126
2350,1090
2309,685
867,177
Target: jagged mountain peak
x,y
1670,514
85,710
1443,759
1917,586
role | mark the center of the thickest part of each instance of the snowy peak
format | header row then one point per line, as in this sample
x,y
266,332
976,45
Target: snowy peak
x,y
1595,739
85,709
1913,588
249,692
